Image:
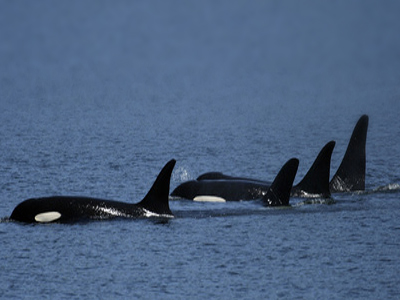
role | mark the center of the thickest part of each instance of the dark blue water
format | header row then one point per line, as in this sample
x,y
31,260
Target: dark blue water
x,y
97,96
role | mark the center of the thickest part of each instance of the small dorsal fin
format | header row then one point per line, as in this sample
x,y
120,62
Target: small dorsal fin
x,y
157,199
278,193
350,175
316,181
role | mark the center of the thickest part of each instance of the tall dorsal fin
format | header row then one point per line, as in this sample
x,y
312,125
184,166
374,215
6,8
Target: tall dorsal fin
x,y
316,180
278,193
350,175
156,199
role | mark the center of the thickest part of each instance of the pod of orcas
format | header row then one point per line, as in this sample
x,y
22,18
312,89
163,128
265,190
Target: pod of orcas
x,y
212,186
350,176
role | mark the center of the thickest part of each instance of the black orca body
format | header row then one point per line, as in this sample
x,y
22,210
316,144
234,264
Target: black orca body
x,y
65,209
232,188
278,193
350,176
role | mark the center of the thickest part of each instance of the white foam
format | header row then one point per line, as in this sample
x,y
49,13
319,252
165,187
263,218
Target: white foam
x,y
205,198
393,186
390,187
311,201
47,217
308,195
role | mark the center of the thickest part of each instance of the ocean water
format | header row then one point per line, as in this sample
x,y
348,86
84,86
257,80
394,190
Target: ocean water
x,y
97,96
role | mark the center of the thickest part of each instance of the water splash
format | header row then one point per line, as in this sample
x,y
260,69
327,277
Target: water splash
x,y
5,220
392,187
181,174
310,201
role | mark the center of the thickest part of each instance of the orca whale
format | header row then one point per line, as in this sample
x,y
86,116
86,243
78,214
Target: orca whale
x,y
350,175
278,193
231,188
66,209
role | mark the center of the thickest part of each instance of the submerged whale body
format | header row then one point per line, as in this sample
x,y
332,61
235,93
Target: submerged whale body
x,y
64,209
350,175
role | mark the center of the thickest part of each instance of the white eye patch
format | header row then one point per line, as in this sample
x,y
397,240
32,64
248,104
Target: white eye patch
x,y
208,199
47,217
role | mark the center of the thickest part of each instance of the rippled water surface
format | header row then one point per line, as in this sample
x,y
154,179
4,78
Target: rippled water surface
x,y
97,96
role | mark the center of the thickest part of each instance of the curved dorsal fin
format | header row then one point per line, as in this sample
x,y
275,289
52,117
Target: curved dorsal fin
x,y
350,175
316,181
157,199
278,193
